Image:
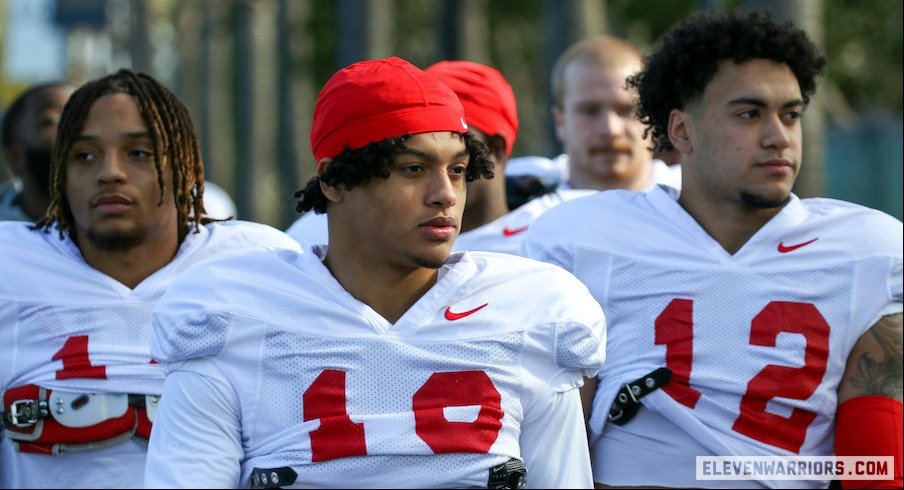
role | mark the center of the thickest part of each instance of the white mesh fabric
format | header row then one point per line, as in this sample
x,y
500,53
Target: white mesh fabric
x,y
723,359
379,394
117,339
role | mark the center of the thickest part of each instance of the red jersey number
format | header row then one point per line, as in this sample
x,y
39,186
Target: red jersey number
x,y
674,329
339,437
76,363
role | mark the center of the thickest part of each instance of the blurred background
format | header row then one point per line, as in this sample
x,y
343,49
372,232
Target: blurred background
x,y
250,70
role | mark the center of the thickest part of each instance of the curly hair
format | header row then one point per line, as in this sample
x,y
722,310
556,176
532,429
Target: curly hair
x,y
687,59
355,167
172,135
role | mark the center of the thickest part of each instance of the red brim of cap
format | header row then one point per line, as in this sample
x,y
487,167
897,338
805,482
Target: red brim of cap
x,y
411,120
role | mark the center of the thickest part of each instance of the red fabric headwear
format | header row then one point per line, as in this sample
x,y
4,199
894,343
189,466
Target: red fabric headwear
x,y
487,97
373,100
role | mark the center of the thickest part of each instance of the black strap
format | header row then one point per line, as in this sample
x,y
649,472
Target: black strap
x,y
511,474
627,400
272,477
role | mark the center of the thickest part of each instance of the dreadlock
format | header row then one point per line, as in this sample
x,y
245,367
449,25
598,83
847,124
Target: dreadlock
x,y
172,135
355,167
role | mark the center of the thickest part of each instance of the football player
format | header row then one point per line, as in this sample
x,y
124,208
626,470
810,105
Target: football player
x,y
744,320
383,359
491,114
79,387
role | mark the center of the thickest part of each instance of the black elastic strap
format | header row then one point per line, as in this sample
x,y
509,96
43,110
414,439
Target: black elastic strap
x,y
272,477
627,400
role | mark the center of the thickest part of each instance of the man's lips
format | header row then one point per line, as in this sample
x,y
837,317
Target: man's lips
x,y
111,202
611,149
776,165
441,228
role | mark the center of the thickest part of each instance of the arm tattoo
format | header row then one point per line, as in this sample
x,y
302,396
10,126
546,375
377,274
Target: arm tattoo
x,y
882,376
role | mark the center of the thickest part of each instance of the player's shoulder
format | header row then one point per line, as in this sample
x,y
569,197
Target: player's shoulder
x,y
239,268
597,214
17,234
576,202
547,303
545,202
866,230
248,285
21,245
524,277
309,229
241,234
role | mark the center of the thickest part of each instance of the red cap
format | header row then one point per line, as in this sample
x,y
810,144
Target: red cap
x,y
373,100
488,99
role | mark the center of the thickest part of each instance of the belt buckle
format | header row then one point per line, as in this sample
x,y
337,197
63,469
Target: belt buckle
x,y
29,410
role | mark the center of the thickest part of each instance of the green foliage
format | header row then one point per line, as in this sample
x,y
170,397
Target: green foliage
x,y
864,45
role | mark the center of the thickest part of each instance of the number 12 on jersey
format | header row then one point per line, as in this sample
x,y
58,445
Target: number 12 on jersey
x,y
674,329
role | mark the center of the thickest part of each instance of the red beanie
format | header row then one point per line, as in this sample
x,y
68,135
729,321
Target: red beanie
x,y
488,99
373,100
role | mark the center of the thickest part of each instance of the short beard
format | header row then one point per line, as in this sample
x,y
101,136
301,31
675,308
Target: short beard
x,y
425,262
759,201
116,241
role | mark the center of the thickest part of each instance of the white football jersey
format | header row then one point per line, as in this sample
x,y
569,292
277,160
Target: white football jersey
x,y
279,366
502,235
310,229
757,341
66,326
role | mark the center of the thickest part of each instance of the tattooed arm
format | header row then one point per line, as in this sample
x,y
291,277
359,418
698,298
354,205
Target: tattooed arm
x,y
868,421
874,366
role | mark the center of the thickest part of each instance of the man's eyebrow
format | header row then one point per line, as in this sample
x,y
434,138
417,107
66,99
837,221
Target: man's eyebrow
x,y
430,156
757,102
130,135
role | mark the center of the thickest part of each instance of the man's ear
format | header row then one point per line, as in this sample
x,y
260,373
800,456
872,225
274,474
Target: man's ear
x,y
333,193
559,119
680,131
496,147
14,158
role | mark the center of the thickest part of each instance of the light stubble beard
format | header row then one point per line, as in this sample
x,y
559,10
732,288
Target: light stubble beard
x,y
759,201
117,241
427,262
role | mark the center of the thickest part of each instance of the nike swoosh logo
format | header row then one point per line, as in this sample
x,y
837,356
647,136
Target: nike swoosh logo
x,y
782,248
458,316
513,231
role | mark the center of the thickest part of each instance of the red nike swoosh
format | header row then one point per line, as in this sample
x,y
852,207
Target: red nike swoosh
x,y
790,248
458,316
513,231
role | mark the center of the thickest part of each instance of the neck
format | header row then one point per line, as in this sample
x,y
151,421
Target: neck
x,y
491,206
641,182
390,290
34,204
731,225
132,266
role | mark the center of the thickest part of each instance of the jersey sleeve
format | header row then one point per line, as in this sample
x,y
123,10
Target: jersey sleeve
x,y
542,241
554,444
196,441
199,313
572,345
184,326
